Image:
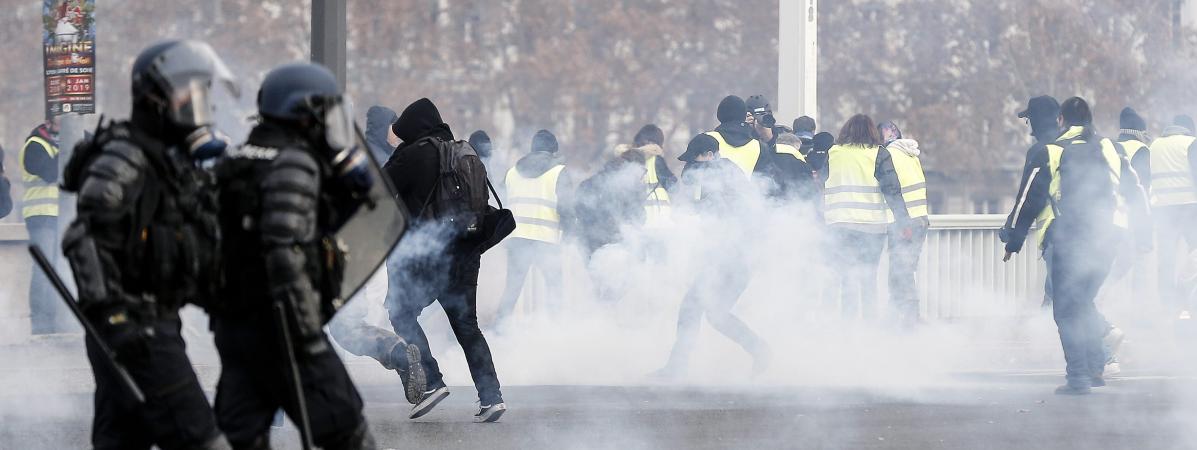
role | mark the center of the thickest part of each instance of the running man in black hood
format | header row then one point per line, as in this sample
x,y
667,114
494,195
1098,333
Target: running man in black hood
x,y
539,191
434,267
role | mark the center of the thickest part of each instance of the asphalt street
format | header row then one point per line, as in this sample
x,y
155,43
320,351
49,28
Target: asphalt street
x,y
981,411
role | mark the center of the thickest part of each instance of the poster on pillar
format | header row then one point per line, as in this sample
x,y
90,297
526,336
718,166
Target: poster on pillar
x,y
69,56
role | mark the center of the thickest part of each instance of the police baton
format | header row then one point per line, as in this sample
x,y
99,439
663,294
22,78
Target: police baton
x,y
89,330
296,381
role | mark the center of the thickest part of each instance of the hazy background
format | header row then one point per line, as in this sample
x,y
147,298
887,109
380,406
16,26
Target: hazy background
x,y
953,73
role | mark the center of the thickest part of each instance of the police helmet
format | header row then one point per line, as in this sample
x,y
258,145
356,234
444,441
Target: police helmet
x,y
306,92
179,75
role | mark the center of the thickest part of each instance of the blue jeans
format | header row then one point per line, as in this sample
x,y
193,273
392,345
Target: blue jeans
x,y
47,314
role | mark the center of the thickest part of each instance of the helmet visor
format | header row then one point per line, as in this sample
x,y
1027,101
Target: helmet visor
x,y
186,72
338,126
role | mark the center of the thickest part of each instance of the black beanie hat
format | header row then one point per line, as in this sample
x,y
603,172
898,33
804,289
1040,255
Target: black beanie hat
x,y
481,143
544,141
1184,121
1131,120
732,110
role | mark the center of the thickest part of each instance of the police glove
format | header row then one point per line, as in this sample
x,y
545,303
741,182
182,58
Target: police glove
x,y
125,335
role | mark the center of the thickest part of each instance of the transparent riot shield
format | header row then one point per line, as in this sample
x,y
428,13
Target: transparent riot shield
x,y
370,235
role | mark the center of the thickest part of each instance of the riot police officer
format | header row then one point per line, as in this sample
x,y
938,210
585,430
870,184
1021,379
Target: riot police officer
x,y
142,245
283,194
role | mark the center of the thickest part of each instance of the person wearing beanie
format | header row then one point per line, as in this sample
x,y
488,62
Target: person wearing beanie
x,y
650,141
1133,137
539,193
714,187
444,270
1171,181
1086,182
481,143
736,138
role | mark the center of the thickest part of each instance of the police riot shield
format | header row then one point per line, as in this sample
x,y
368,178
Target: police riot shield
x,y
368,237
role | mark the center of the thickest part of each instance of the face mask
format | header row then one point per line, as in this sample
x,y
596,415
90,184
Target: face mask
x,y
206,143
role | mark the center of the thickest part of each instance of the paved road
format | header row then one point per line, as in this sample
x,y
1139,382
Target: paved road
x,y
979,411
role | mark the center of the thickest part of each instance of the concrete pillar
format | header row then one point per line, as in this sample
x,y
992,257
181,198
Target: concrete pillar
x,y
329,35
797,53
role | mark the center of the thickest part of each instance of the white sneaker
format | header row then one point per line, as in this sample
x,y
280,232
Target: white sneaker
x,y
1113,368
1185,315
490,413
428,401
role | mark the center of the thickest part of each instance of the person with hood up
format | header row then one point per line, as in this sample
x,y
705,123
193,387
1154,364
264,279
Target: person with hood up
x,y
379,137
1172,171
906,242
1041,114
538,192
862,200
1083,191
714,185
429,266
737,141
650,141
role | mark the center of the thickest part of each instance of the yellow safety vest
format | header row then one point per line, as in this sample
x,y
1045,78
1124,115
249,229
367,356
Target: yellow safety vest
x,y
914,182
853,194
1171,176
1132,147
656,206
745,156
533,202
41,196
1055,153
787,149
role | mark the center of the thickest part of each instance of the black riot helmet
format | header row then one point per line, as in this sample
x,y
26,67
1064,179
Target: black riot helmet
x,y
306,97
175,80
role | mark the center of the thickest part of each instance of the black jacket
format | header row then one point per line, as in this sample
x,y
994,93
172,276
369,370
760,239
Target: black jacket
x,y
714,187
612,198
1035,195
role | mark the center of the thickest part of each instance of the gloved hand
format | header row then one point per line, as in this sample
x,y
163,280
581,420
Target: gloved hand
x,y
128,338
352,167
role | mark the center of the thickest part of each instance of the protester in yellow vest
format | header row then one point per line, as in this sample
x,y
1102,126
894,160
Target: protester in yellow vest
x,y
538,193
1133,140
658,179
906,241
1083,185
717,186
39,172
861,200
1172,178
735,138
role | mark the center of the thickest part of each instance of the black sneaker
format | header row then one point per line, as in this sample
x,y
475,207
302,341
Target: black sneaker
x,y
406,360
490,413
428,400
1069,389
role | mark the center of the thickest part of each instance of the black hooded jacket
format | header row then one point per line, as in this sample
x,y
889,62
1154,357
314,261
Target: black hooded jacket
x,y
610,199
413,168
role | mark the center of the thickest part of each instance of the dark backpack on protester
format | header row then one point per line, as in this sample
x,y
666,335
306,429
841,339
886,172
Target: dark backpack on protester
x,y
1088,191
460,197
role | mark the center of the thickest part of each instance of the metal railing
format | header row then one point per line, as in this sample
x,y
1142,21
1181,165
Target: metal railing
x,y
961,273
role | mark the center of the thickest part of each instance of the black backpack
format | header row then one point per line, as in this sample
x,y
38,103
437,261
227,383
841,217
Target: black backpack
x,y
1088,195
460,198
